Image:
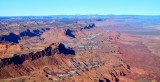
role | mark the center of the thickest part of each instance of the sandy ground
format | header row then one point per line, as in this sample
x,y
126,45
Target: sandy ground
x,y
141,52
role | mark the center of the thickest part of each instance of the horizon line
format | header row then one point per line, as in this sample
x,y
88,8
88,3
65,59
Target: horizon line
x,y
81,15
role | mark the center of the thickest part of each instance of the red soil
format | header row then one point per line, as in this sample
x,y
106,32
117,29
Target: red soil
x,y
137,55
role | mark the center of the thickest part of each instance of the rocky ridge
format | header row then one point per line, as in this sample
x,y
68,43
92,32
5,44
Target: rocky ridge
x,y
88,57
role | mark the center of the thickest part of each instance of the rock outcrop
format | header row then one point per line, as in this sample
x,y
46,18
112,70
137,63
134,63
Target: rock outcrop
x,y
86,55
27,62
88,27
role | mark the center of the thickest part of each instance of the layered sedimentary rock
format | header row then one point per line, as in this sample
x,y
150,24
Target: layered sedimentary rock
x,y
23,64
56,56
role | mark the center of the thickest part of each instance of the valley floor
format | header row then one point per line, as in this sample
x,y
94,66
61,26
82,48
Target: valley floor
x,y
142,53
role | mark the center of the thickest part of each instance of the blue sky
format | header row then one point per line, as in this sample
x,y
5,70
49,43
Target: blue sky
x,y
72,7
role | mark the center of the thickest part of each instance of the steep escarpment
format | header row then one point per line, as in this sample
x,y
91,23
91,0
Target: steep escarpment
x,y
72,55
78,49
28,62
10,38
90,26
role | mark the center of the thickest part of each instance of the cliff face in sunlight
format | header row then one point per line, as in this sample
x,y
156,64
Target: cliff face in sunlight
x,y
58,60
24,64
48,59
73,50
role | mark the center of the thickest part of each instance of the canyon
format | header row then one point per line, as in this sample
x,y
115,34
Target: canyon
x,y
83,50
